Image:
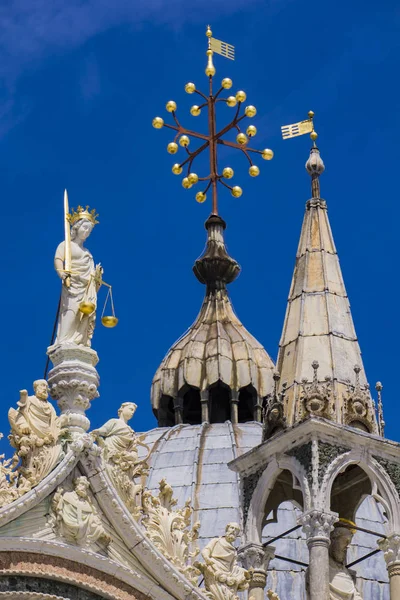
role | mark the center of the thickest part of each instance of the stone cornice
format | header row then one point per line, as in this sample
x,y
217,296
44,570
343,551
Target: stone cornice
x,y
314,428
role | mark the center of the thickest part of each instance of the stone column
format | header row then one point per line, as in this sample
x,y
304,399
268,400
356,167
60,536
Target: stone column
x,y
391,551
73,382
204,397
178,408
317,526
235,407
256,558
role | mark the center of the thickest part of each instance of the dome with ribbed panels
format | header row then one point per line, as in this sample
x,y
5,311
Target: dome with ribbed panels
x,y
217,370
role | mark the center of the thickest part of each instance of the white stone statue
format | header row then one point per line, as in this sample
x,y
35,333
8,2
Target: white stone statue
x,y
223,577
81,281
75,518
120,450
342,584
35,433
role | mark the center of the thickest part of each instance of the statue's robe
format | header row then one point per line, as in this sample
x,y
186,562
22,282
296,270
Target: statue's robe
x,y
224,577
118,437
39,415
341,583
74,326
80,522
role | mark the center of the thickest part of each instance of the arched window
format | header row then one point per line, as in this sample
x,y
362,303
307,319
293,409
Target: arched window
x,y
192,407
220,403
165,414
247,403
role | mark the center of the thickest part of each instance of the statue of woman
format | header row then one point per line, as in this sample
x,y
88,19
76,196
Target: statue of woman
x,y
81,282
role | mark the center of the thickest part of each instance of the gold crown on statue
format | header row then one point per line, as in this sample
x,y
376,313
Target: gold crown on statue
x,y
82,213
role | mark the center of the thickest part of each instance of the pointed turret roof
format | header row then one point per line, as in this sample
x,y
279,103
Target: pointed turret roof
x,y
216,353
319,354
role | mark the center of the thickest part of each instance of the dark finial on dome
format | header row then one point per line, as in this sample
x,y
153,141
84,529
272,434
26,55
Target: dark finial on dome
x,y
315,167
215,267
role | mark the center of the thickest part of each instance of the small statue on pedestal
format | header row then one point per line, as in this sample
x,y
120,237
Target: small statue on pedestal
x,y
120,451
81,279
35,433
223,577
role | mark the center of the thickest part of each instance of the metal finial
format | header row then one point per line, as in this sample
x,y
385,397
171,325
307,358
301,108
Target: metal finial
x,y
213,138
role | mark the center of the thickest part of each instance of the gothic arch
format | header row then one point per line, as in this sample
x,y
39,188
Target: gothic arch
x,y
382,488
265,486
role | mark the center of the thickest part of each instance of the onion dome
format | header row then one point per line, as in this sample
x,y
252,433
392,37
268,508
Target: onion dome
x,y
217,371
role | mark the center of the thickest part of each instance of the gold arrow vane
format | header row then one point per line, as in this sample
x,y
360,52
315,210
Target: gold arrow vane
x,y
223,48
300,128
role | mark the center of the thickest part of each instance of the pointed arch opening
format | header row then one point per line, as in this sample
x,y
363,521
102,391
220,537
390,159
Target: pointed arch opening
x,y
353,498
282,510
191,406
247,404
220,403
165,413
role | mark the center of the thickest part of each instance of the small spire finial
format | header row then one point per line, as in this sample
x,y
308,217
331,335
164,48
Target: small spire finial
x,y
381,421
314,165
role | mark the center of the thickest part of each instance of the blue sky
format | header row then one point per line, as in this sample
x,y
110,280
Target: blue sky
x,y
79,85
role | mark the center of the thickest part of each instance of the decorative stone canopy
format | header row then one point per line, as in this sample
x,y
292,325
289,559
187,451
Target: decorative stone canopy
x,y
319,355
217,370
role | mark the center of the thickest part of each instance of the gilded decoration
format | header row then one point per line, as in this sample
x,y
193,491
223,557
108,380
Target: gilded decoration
x,y
119,444
169,530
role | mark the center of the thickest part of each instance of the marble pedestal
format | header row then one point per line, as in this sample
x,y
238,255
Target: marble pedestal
x,y
73,382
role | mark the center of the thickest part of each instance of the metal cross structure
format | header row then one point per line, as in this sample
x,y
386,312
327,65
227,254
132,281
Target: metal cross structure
x,y
213,138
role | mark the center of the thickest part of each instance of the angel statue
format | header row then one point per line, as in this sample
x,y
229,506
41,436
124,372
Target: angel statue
x,y
80,277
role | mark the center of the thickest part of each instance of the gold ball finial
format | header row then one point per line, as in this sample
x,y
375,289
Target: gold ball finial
x,y
267,154
208,32
231,101
176,169
236,191
195,110
251,131
228,173
254,171
311,114
184,141
186,183
313,135
158,123
241,139
190,88
201,197
250,111
241,96
171,106
226,83
193,178
172,148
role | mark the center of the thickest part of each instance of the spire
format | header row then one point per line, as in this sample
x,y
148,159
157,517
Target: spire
x,y
217,370
319,357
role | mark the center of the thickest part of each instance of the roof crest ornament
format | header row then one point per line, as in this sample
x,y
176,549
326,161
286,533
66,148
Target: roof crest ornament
x,y
316,396
274,419
358,405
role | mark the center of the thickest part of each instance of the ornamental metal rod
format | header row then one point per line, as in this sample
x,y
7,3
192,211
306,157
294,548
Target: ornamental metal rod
x,y
278,537
348,526
292,560
213,137
355,562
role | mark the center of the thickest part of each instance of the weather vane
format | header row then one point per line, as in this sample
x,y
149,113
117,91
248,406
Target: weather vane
x,y
213,138
300,128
